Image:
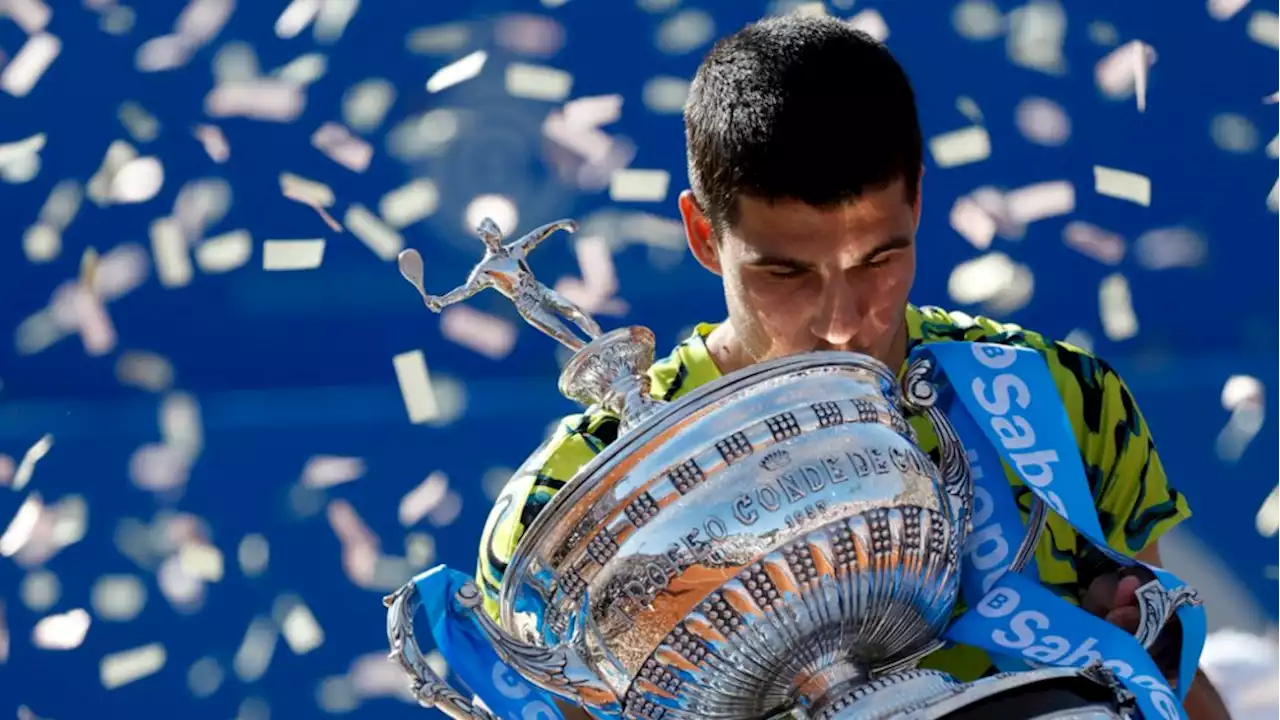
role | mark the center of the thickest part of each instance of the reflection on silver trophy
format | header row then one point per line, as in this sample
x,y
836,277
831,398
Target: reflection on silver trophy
x,y
773,544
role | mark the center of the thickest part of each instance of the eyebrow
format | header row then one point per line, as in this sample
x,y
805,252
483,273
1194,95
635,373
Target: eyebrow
x,y
894,243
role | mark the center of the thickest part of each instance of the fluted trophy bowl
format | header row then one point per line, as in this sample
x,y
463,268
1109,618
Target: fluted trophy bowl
x,y
771,538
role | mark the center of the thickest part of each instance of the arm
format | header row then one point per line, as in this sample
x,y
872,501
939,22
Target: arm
x,y
1203,701
1136,505
458,294
527,243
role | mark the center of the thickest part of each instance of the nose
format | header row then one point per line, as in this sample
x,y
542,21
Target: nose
x,y
840,312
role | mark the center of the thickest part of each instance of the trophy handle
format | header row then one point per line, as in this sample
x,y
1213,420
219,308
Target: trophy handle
x,y
559,670
921,395
429,689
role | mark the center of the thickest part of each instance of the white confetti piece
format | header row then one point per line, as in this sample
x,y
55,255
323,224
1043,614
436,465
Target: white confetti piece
x,y
253,553
332,20
1221,10
303,70
204,677
1264,28
256,649
498,208
1267,521
1167,248
409,203
871,22
26,68
20,150
457,72
439,39
202,561
118,598
142,125
292,254
415,386
171,253
302,633
1122,185
977,20
64,631
536,82
225,252
1122,72
297,17
117,20
486,334
1040,201
41,243
62,205
980,279
973,223
961,147
137,181
121,668
145,370
22,527
1088,239
214,142
1245,397
33,455
4,636
1043,122
685,32
201,20
340,146
1273,197
365,105
166,52
1115,302
30,15
665,95
385,242
40,590
118,154
305,191
424,498
1037,34
323,471
261,99
639,185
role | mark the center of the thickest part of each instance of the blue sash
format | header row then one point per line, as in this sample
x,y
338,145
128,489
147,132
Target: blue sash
x,y
1010,614
470,656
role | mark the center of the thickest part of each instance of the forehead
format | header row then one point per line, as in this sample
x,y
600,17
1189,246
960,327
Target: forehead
x,y
796,228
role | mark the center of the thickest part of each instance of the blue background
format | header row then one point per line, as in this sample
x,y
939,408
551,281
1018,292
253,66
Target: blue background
x,y
286,366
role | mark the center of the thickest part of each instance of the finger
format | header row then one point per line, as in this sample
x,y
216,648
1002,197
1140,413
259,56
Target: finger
x,y
1126,618
1127,591
1100,597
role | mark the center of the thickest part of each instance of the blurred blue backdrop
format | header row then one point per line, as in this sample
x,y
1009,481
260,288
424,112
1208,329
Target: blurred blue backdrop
x,y
212,464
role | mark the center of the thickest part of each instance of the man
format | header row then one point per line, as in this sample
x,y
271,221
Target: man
x,y
805,161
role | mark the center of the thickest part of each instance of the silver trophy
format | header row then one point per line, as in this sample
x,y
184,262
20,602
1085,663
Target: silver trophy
x,y
773,544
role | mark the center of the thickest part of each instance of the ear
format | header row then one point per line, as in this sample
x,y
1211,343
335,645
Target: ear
x,y
697,230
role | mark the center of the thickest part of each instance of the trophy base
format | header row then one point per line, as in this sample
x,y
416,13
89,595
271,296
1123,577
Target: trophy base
x,y
611,372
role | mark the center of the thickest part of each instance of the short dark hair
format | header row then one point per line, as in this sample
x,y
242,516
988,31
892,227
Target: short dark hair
x,y
799,108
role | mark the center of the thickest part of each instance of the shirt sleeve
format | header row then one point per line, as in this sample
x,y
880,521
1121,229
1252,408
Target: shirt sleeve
x,y
1135,502
575,442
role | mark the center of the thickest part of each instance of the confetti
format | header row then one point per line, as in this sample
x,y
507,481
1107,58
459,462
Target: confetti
x,y
973,223
121,668
137,180
685,32
1267,520
253,554
977,20
118,598
30,15
1222,10
1115,302
302,633
415,386
145,370
224,253
1043,122
960,147
1101,245
993,280
119,153
384,241
365,105
292,254
64,631
498,208
1122,185
423,499
1037,34
303,70
409,203
1264,28
323,471
457,72
1166,248
871,22
142,125
171,252
486,334
267,99
535,82
22,527
1041,201
639,185
40,590
1123,72
665,95
439,39
20,75
204,677
256,650
340,146
214,142
33,455
1244,397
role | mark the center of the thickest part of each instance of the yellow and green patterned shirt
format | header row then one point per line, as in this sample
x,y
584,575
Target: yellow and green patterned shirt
x,y
1135,503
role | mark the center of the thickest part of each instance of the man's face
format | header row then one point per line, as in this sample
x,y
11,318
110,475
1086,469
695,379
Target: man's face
x,y
799,278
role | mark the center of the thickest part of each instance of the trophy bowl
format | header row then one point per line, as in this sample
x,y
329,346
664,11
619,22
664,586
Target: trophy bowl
x,y
774,539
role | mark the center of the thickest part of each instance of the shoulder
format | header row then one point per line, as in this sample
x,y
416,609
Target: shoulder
x,y
1066,362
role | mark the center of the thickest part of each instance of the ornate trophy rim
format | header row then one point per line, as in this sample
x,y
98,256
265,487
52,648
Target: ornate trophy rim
x,y
552,515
